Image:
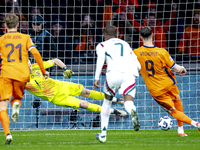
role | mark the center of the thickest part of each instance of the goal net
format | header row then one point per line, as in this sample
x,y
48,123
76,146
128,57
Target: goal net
x,y
71,29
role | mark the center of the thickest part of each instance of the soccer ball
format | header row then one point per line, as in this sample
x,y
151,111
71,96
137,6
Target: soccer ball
x,y
165,123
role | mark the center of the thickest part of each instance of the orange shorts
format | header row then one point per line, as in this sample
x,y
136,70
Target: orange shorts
x,y
166,100
10,87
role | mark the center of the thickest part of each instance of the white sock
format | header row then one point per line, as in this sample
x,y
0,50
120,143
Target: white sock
x,y
129,106
105,114
114,99
180,130
193,123
111,110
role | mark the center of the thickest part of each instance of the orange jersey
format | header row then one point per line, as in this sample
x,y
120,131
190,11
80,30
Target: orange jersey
x,y
155,69
190,40
14,48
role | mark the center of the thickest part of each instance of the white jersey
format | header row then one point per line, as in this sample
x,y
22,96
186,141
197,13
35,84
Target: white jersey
x,y
119,57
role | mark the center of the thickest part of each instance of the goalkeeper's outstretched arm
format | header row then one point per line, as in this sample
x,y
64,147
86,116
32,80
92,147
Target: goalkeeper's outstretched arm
x,y
66,72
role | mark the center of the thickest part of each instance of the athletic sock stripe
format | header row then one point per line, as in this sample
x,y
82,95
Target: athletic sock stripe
x,y
111,91
129,89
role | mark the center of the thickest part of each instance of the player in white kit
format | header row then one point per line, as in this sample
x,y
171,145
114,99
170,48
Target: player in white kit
x,y
122,68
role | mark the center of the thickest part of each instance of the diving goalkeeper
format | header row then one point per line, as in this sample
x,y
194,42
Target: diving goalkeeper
x,y
62,93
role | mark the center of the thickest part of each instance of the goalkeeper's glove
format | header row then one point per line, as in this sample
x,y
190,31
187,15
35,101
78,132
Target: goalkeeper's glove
x,y
67,73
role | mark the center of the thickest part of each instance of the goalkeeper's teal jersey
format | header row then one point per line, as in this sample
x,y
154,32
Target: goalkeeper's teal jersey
x,y
41,87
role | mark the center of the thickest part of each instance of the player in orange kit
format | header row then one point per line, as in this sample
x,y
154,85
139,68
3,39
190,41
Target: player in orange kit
x,y
14,71
160,80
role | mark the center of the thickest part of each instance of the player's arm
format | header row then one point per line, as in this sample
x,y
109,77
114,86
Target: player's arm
x,y
169,62
39,61
170,21
100,62
31,47
66,72
179,69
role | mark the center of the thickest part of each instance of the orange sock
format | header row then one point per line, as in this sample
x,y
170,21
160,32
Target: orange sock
x,y
181,116
15,100
5,121
178,105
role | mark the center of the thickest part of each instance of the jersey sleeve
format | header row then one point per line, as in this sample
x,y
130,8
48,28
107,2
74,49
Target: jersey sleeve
x,y
168,61
47,64
100,60
30,43
0,46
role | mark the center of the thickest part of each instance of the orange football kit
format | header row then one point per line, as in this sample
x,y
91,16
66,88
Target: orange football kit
x,y
160,80
14,71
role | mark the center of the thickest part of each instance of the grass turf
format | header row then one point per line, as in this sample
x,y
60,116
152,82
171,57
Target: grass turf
x,y
116,139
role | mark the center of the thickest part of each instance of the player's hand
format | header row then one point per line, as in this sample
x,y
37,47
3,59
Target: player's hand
x,y
96,82
46,75
68,73
182,72
174,6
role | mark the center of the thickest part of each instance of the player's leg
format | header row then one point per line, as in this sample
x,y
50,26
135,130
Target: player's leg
x,y
128,90
92,94
99,96
165,101
111,86
18,92
5,92
105,114
174,93
97,108
178,105
73,102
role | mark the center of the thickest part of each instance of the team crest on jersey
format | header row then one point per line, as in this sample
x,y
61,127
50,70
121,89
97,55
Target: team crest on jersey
x,y
37,72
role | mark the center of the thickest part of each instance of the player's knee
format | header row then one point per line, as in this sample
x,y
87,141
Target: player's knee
x,y
171,111
128,98
4,105
108,97
83,104
85,92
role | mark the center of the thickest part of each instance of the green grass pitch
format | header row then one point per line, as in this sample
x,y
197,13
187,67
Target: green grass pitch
x,y
116,139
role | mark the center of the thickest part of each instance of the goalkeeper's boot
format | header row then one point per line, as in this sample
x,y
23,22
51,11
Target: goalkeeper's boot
x,y
118,101
198,126
182,134
135,120
15,112
120,113
8,139
102,139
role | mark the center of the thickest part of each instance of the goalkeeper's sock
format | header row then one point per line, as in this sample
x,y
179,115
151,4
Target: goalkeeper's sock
x,y
178,105
94,107
5,121
105,114
16,100
96,95
180,116
129,106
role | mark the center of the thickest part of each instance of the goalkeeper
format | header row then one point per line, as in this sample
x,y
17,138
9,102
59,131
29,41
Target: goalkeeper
x,y
62,93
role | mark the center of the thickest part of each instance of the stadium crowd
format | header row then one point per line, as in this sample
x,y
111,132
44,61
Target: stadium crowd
x,y
70,30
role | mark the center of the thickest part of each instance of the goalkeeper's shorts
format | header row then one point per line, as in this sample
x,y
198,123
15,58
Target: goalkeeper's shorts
x,y
10,87
66,95
166,100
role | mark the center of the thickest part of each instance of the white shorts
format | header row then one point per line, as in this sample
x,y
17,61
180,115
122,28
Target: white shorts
x,y
117,81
